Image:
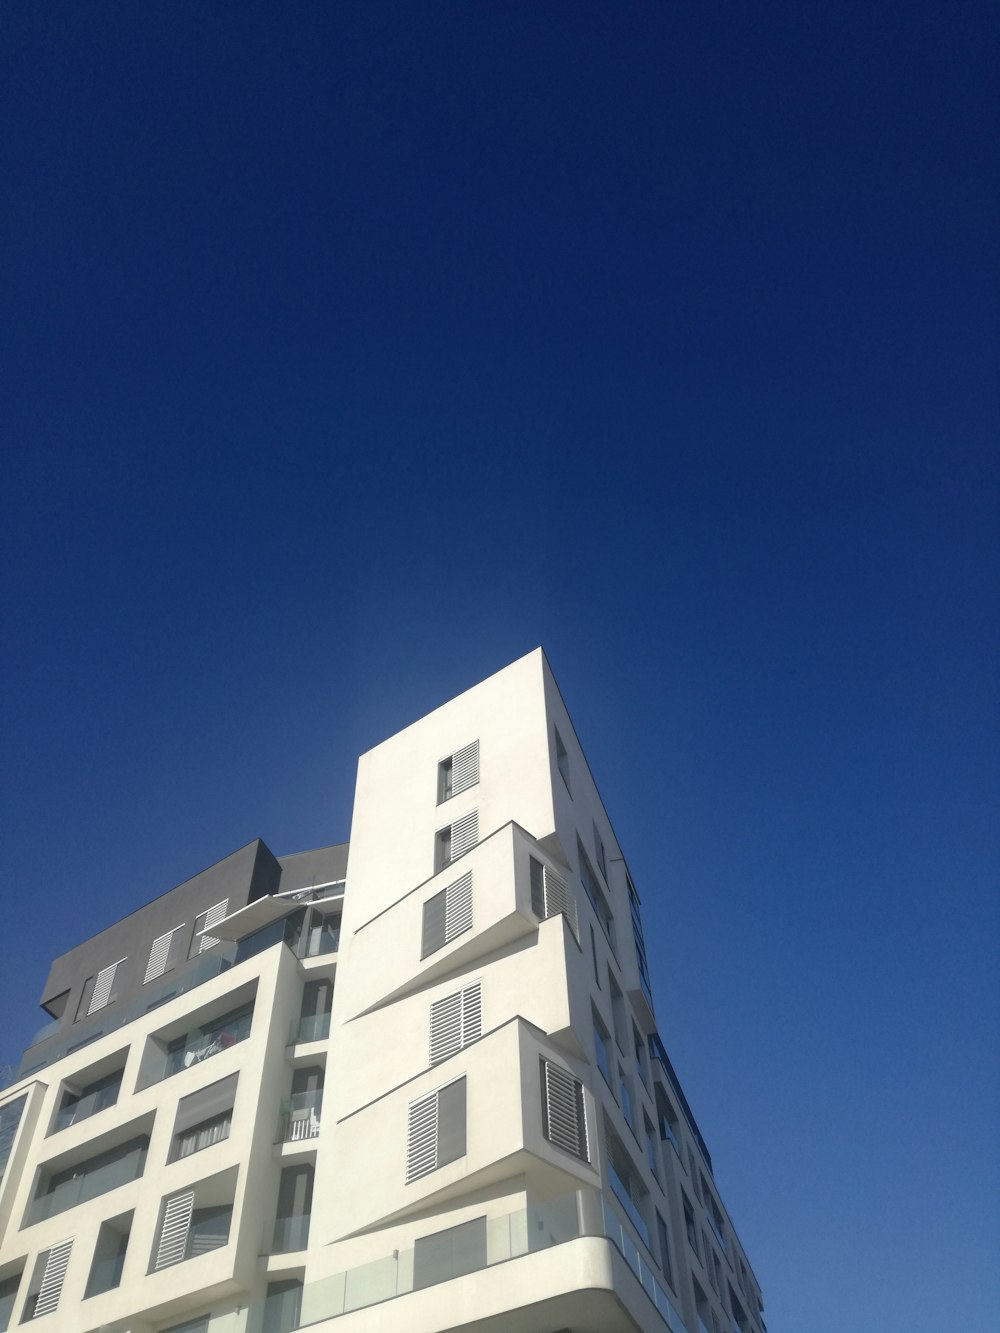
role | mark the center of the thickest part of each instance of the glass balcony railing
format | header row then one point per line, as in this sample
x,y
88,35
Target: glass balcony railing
x,y
631,1211
84,1107
508,1237
290,1233
299,1118
89,1184
203,1042
314,1027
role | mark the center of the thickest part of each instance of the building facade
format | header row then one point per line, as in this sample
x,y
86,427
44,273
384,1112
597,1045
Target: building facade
x,y
410,1083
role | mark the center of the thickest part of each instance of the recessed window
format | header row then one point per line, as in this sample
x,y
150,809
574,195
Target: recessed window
x,y
550,895
562,761
9,1287
109,1255
564,1112
47,1281
664,1240
446,915
455,1021
435,1130
626,1183
164,954
597,896
204,1118
294,1212
602,1052
201,937
458,772
98,991
450,1253
454,841
194,1221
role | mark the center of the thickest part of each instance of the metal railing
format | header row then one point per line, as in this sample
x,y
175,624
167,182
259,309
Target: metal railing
x,y
299,1117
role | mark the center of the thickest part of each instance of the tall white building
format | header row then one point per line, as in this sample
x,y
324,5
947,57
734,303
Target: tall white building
x,y
413,1083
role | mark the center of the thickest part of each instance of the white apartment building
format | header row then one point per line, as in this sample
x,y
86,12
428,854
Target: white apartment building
x,y
412,1083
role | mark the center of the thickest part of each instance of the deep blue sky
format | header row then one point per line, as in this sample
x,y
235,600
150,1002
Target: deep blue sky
x,y
351,350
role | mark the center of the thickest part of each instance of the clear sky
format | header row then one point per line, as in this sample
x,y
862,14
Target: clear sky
x,y
349,351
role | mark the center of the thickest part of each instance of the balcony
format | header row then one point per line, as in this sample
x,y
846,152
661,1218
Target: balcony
x,y
203,1042
299,1118
90,1179
84,1107
290,1234
313,1027
621,1193
508,1238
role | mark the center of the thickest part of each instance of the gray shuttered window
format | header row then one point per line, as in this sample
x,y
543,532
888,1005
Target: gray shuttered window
x,y
171,1245
54,1272
159,956
550,895
101,996
435,1130
564,1117
447,915
456,1020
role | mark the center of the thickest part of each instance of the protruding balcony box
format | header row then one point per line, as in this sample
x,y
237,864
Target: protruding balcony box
x,y
501,914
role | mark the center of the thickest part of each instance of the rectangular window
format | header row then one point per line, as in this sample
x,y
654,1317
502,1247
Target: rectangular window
x,y
456,1020
639,1046
9,1287
189,1228
435,1130
601,1047
98,992
295,1200
593,954
602,859
47,1282
450,1253
597,896
562,761
458,772
10,1121
447,915
200,940
564,1115
664,1240
454,841
626,1099
109,1256
550,895
689,1226
617,1011
204,1118
652,1158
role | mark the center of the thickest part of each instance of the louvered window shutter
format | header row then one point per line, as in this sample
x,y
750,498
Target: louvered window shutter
x,y
52,1279
563,1113
159,955
212,918
435,1132
458,907
101,996
421,1137
465,768
174,1230
550,895
464,834
456,1020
